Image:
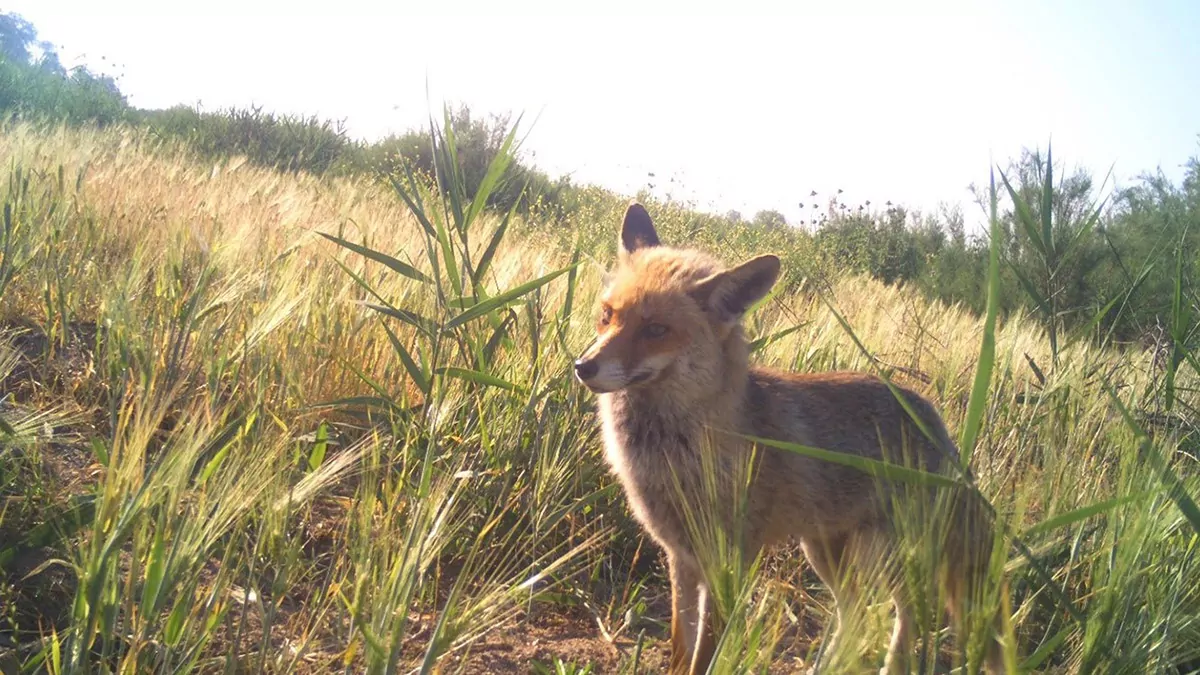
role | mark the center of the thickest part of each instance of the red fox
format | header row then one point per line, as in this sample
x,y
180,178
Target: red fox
x,y
670,363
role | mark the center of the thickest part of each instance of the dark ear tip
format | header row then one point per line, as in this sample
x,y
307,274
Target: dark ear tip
x,y
638,229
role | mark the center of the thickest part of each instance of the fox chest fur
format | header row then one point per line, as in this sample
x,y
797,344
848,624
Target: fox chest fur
x,y
654,455
672,465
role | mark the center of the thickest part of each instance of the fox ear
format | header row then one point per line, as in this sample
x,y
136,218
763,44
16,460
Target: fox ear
x,y
727,295
637,231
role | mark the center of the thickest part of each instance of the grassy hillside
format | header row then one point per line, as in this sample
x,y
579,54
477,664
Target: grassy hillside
x,y
233,444
1088,255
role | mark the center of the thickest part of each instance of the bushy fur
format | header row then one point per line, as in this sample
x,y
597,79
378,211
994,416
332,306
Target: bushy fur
x,y
671,365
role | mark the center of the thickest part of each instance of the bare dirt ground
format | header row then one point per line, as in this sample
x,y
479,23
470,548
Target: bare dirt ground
x,y
573,637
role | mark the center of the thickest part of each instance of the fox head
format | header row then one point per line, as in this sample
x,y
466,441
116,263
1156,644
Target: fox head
x,y
670,318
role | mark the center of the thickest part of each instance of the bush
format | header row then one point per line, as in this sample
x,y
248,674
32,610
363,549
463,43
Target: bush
x,y
287,142
43,91
478,142
34,85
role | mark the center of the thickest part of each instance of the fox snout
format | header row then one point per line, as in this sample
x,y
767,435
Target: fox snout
x,y
590,370
604,368
605,374
586,369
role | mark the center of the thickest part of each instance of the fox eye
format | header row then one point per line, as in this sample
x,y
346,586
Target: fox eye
x,y
605,315
655,330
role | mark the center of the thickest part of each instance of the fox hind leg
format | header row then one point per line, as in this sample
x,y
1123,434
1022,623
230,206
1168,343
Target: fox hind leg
x,y
899,652
826,557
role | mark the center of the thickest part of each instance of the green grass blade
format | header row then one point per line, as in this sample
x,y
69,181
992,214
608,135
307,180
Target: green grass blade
x,y
495,171
213,464
504,298
1047,650
100,451
1024,217
873,467
1087,225
764,341
360,281
977,403
413,201
416,207
426,326
1082,513
55,652
498,335
392,263
1031,290
1176,488
368,380
1178,328
568,308
155,569
485,260
479,378
465,301
450,168
173,629
1084,330
321,445
414,371
1048,209
449,257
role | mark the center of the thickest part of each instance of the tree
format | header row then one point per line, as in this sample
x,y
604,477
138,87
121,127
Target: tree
x,y
770,218
17,38
1153,222
19,44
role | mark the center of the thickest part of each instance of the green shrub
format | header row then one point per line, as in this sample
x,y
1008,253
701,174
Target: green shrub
x,y
286,142
42,91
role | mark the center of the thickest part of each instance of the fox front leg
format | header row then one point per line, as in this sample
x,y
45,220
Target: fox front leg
x,y
691,638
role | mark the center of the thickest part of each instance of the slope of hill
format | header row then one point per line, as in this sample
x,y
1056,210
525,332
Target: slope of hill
x,y
233,442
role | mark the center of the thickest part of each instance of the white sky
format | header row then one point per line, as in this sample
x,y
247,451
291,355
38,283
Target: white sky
x,y
745,112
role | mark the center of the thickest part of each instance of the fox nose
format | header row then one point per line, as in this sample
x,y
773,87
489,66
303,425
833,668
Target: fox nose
x,y
586,369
